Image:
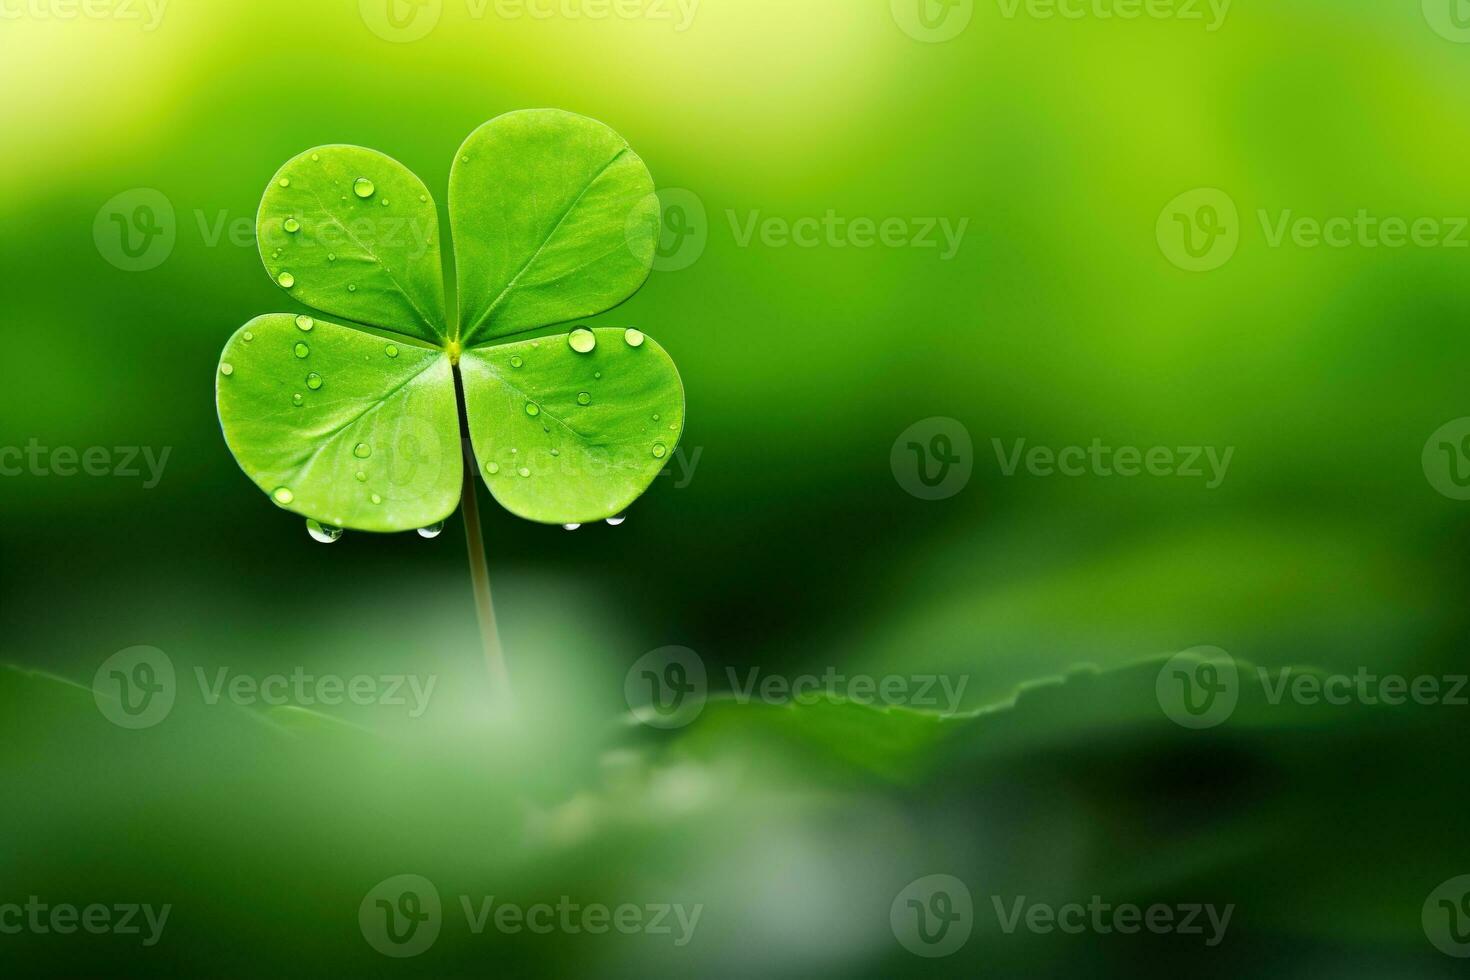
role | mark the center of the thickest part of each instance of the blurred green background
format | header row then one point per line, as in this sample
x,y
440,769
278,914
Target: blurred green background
x,y
791,546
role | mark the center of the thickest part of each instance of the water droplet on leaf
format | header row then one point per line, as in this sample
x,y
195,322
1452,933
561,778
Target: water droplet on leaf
x,y
582,340
363,187
283,495
362,450
523,471
492,468
516,361
532,408
291,225
301,350
376,499
660,450
323,533
313,381
304,322
391,350
633,337
286,280
584,398
297,398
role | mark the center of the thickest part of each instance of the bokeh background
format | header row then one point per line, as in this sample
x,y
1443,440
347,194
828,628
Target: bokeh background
x,y
783,539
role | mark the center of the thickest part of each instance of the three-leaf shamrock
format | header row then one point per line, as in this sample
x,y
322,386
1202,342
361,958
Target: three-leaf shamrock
x,y
352,416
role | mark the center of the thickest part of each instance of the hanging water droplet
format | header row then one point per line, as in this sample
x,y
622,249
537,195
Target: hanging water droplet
x,y
376,499
248,336
286,280
633,337
297,398
523,471
284,182
362,450
226,368
283,495
361,476
492,468
291,225
323,533
516,361
313,381
584,398
532,408
659,450
301,350
582,340
570,527
615,521
363,187
391,350
304,322
432,531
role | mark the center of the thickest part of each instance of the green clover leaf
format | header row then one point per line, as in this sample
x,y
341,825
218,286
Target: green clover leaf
x,y
352,415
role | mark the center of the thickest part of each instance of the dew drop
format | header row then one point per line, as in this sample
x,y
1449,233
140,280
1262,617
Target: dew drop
x,y
331,256
597,375
513,450
249,336
523,471
615,521
570,527
352,289
297,398
304,322
284,182
556,452
363,187
516,361
376,499
492,468
226,368
423,197
313,381
385,202
391,350
582,340
323,533
464,159
361,476
291,225
286,280
633,337
315,157
362,450
301,350
432,531
532,408
659,450
655,418
283,495
584,398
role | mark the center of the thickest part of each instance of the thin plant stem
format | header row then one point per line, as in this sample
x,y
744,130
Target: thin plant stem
x,y
479,570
